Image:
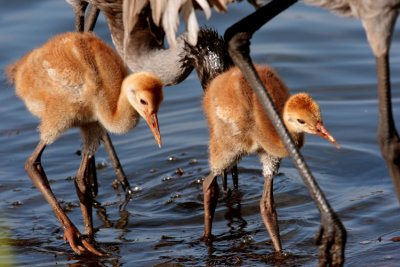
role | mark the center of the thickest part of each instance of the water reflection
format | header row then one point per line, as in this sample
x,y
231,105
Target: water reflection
x,y
233,215
121,222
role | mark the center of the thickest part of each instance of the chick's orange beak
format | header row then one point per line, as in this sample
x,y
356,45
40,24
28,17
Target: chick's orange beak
x,y
152,121
323,132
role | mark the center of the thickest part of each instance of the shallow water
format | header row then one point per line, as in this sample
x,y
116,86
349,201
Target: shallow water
x,y
313,51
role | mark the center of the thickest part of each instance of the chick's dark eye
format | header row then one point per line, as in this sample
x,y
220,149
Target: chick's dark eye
x,y
300,121
143,102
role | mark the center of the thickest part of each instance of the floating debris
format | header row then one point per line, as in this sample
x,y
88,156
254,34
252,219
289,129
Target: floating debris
x,y
237,258
11,132
365,242
168,178
199,180
101,165
72,204
176,195
115,185
179,171
193,162
17,203
154,170
164,237
247,239
173,158
69,206
395,239
137,189
70,178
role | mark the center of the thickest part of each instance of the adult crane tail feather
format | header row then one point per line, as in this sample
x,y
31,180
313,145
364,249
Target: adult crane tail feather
x,y
166,14
130,16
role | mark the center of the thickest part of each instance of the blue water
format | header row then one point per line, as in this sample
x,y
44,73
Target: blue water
x,y
313,51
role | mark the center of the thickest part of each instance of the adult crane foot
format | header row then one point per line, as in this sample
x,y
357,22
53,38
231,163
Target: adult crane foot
x,y
331,240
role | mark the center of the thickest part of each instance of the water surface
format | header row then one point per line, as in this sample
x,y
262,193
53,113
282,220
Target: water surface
x,y
314,51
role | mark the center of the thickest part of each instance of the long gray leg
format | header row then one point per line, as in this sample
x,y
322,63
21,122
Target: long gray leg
x,y
91,18
79,8
388,138
331,238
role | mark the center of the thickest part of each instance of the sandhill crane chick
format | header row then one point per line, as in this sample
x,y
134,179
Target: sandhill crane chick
x,y
238,125
77,80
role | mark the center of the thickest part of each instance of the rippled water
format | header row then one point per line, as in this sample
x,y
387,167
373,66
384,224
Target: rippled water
x,y
313,51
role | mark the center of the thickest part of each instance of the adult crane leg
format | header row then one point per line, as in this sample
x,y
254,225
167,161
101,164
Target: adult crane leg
x,y
91,18
379,30
79,8
388,138
331,236
88,24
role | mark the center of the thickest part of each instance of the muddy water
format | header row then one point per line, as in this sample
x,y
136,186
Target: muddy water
x,y
313,51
